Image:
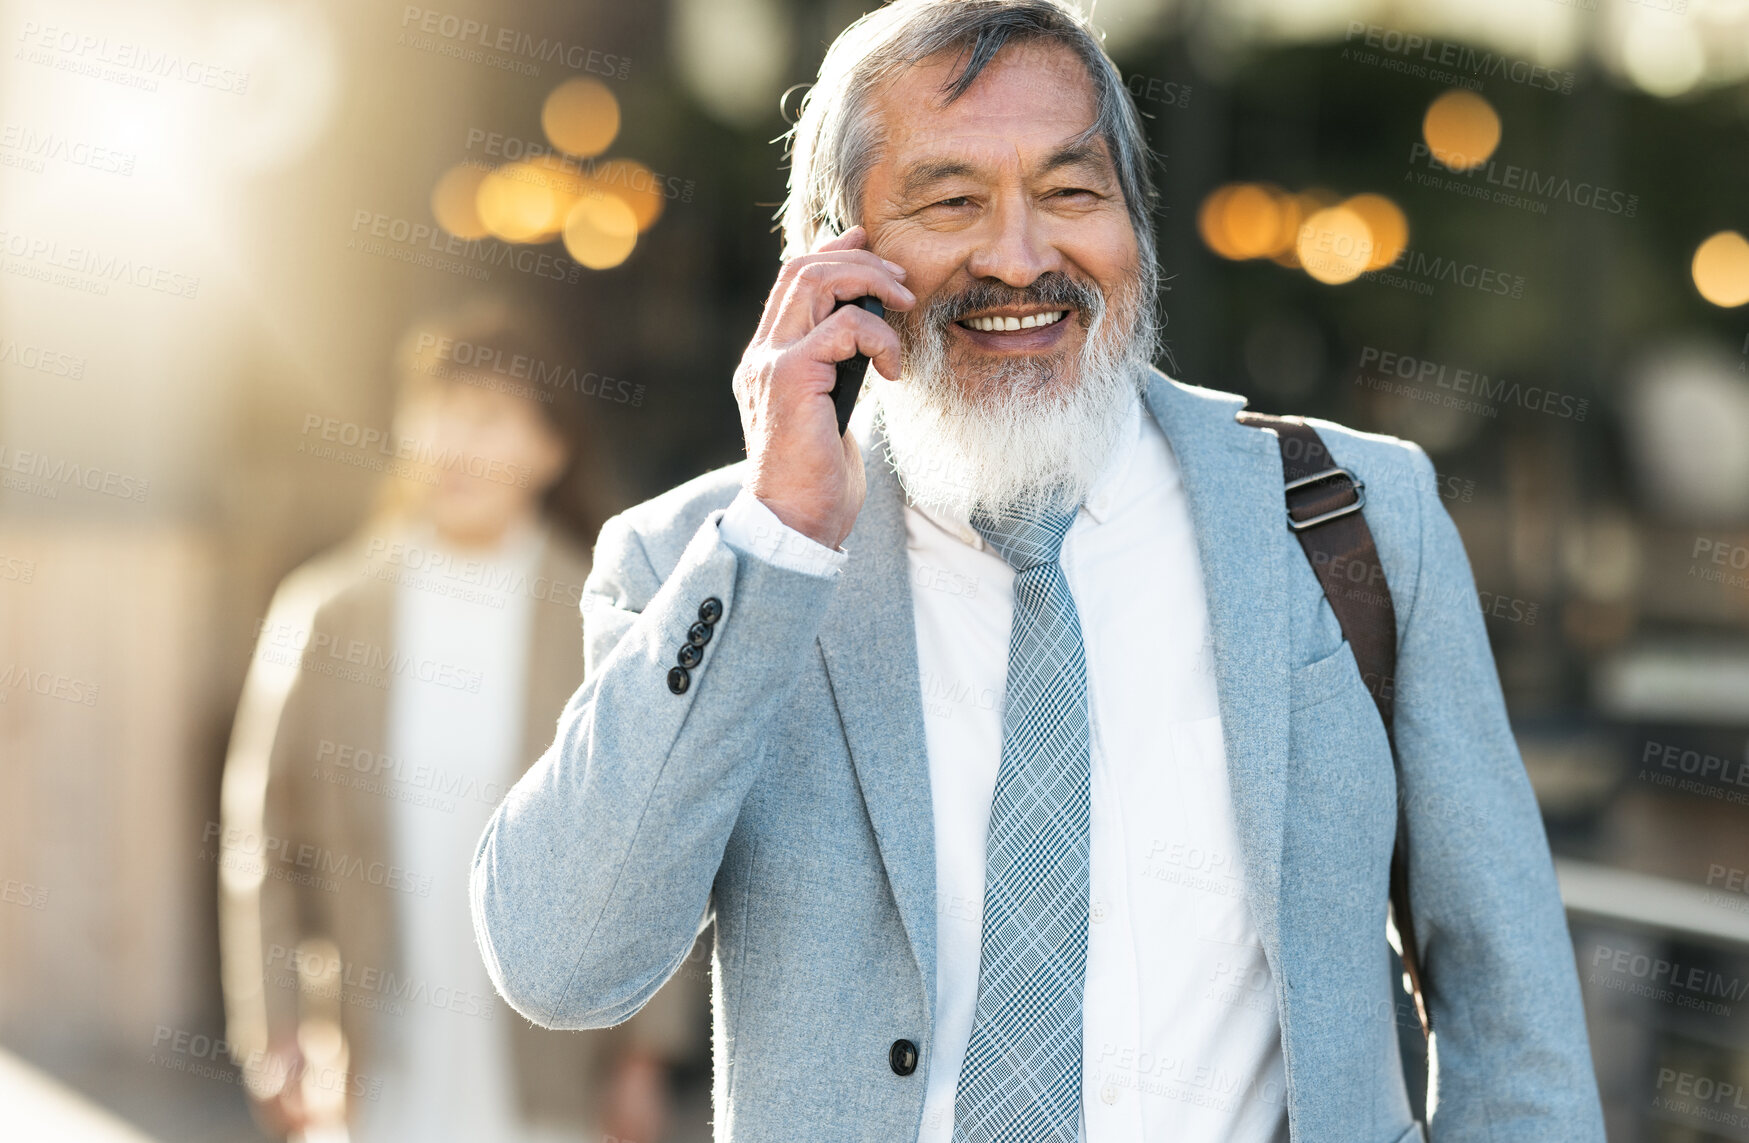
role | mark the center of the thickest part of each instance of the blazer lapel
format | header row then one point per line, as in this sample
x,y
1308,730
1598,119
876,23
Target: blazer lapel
x,y
1233,478
868,640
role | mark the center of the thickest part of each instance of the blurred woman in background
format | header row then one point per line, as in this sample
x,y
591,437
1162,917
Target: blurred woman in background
x,y
402,682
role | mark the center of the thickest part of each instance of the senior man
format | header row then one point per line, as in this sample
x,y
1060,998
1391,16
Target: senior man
x,y
1020,759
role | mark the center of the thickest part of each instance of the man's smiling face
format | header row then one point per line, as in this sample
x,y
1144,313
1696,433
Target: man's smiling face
x,y
1002,210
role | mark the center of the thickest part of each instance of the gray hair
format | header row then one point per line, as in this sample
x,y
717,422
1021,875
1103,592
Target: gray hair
x,y
835,140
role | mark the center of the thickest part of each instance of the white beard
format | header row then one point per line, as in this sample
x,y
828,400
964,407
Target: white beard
x,y
1022,437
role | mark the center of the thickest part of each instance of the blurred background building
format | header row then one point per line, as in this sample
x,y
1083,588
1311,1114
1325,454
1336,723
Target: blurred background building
x,y
1508,229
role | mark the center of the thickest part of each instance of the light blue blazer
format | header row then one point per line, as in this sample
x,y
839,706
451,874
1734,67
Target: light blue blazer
x,y
786,794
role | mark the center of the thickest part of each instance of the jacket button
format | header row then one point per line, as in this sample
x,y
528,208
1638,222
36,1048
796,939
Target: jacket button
x,y
711,610
903,1056
699,633
678,680
689,655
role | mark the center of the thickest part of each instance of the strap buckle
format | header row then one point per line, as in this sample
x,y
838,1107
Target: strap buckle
x,y
1334,513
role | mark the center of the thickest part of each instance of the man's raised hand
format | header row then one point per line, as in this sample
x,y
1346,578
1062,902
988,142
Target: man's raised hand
x,y
809,477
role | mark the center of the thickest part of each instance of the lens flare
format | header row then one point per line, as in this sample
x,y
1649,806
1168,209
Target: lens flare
x,y
1721,269
1336,245
454,201
601,231
1461,129
581,117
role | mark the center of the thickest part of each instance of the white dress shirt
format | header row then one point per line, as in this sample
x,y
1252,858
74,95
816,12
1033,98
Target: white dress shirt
x,y
1180,1036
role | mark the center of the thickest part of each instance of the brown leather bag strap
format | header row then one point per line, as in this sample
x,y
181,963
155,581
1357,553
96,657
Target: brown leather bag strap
x,y
1324,509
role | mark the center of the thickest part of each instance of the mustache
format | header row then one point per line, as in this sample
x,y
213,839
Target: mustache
x,y
1053,289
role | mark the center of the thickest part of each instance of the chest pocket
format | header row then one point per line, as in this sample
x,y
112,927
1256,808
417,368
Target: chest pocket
x,y
1323,679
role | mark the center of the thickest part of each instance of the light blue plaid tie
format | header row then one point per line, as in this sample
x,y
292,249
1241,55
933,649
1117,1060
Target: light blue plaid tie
x,y
1021,1080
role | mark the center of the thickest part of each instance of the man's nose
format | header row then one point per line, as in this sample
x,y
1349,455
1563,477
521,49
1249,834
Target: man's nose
x,y
1015,250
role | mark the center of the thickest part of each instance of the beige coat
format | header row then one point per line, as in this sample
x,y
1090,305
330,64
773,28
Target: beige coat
x,y
303,847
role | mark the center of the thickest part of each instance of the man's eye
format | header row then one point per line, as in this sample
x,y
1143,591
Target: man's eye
x,y
1073,191
956,200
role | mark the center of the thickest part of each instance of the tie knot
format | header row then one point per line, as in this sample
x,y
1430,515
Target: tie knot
x,y
1026,538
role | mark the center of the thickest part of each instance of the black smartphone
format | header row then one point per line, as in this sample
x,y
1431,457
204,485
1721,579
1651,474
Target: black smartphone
x,y
852,370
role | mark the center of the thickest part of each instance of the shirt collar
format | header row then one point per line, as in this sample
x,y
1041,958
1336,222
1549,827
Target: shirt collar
x,y
1102,498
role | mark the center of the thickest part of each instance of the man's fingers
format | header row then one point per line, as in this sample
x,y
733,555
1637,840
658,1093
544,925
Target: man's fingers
x,y
862,257
854,330
819,288
853,239
801,276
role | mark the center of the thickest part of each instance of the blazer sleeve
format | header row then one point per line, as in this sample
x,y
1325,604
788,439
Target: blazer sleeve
x,y
1513,1061
266,812
594,876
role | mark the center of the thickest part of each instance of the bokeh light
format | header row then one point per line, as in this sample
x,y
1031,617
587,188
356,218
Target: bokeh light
x,y
1332,239
517,204
1211,222
1336,245
1295,209
1462,129
1253,220
1721,269
581,117
600,231
1248,220
1389,228
1663,56
454,201
633,182
563,180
